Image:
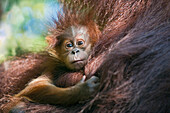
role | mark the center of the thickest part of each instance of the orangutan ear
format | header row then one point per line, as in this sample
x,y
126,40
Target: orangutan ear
x,y
51,41
51,46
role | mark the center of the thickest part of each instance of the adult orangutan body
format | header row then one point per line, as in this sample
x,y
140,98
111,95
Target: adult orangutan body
x,y
131,59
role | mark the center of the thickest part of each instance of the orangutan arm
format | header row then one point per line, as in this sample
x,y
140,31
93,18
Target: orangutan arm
x,y
43,91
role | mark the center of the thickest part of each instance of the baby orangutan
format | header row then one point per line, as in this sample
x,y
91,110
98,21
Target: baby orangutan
x,y
68,52
72,49
69,46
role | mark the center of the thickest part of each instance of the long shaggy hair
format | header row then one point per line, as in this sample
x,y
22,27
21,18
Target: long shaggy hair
x,y
74,15
131,58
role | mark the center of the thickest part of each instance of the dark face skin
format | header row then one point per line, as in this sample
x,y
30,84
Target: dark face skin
x,y
75,47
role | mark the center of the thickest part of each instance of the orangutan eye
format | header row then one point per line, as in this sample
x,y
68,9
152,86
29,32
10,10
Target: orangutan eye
x,y
80,42
69,45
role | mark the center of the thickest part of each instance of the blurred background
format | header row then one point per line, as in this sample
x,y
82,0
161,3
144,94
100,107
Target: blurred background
x,y
23,26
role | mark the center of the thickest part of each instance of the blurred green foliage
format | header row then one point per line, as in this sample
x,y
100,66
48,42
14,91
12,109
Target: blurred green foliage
x,y
22,27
